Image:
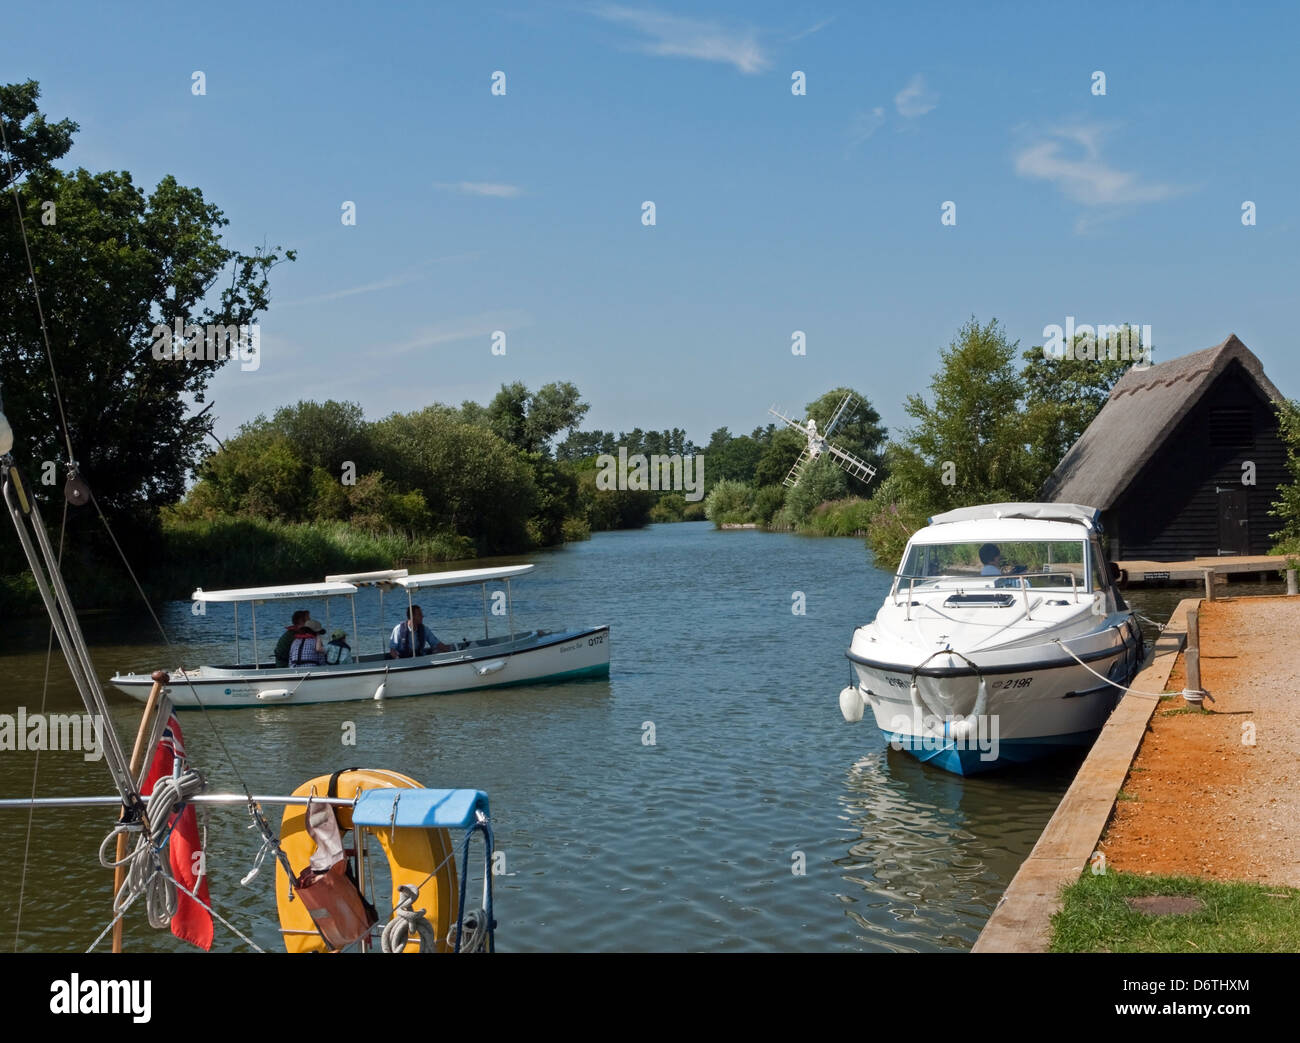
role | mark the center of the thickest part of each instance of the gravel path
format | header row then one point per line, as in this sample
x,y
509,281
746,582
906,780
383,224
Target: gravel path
x,y
1204,801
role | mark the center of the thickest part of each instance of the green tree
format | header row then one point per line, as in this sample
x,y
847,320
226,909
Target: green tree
x,y
476,485
731,457
728,503
327,435
1062,397
970,445
530,420
114,264
779,456
822,480
1287,507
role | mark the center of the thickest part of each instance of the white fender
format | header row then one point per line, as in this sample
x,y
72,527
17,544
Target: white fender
x,y
490,668
380,691
273,695
851,704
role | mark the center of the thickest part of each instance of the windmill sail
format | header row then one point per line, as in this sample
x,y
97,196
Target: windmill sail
x,y
818,444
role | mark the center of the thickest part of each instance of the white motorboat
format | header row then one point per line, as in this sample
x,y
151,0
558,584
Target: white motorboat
x,y
493,661
1003,639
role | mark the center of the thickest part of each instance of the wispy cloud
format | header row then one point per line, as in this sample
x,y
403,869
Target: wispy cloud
x,y
916,99
401,279
464,328
1071,160
481,188
679,36
812,29
864,125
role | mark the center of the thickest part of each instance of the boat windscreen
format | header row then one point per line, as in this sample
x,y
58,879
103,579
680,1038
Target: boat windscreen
x,y
1043,563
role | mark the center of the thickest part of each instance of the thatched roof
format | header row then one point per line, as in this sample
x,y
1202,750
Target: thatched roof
x,y
1143,409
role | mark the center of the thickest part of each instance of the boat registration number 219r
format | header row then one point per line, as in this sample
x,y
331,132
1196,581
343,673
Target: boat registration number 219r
x,y
1013,682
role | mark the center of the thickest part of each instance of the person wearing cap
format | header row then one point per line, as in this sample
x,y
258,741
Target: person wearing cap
x,y
338,650
286,639
306,648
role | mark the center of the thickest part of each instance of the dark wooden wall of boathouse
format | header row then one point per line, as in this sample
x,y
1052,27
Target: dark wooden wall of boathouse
x,y
1171,510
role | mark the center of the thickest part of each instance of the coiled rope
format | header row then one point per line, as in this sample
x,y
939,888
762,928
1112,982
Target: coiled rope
x,y
406,919
145,873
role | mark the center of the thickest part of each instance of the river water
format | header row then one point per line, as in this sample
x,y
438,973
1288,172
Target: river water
x,y
707,796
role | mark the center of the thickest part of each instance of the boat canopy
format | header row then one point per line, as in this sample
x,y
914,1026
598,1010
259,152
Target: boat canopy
x,y
1062,512
292,592
368,579
461,578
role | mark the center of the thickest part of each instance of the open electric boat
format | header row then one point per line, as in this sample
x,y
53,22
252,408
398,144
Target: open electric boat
x,y
520,657
1003,639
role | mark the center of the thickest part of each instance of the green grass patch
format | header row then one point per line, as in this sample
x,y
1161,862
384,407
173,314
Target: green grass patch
x,y
1237,917
1186,709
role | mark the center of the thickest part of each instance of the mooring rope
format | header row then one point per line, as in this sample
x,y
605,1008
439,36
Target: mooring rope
x,y
1125,688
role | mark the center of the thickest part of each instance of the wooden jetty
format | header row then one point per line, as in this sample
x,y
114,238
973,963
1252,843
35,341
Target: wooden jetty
x,y
1141,573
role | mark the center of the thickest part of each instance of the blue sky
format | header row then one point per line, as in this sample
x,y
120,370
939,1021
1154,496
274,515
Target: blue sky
x,y
774,212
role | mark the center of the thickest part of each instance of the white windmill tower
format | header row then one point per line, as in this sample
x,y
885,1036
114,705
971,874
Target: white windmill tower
x,y
818,444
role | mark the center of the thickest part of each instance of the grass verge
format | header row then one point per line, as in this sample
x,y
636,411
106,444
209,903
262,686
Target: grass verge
x,y
1237,917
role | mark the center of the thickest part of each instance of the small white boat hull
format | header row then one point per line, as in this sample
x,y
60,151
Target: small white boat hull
x,y
528,659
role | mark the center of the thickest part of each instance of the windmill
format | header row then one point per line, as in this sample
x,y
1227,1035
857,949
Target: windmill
x,y
817,445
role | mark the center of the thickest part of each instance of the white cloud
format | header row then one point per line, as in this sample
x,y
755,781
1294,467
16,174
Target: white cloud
x,y
1081,174
481,188
451,330
865,124
818,27
916,99
678,36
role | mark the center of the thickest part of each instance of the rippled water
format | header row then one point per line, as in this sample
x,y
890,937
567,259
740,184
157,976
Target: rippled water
x,y
692,843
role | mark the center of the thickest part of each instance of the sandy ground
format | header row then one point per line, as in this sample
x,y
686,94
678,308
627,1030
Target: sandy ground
x,y
1206,803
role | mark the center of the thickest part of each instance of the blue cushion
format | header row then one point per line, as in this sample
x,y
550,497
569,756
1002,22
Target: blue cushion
x,y
420,808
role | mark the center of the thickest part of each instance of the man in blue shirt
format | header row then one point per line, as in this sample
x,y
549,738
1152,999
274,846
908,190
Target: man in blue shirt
x,y
426,641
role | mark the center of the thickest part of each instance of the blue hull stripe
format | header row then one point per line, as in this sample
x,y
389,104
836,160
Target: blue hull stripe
x,y
969,761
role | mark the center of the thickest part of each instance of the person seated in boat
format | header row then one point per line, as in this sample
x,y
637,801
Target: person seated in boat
x,y
338,650
426,643
991,557
306,649
286,639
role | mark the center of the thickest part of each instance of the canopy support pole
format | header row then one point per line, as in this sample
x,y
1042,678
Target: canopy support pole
x,y
510,608
236,633
257,659
485,614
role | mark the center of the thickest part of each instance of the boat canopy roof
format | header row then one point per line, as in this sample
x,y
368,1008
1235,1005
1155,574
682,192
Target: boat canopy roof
x,y
368,579
1074,513
464,576
294,591
349,583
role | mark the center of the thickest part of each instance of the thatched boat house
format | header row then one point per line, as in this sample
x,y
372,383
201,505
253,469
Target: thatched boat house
x,y
1184,460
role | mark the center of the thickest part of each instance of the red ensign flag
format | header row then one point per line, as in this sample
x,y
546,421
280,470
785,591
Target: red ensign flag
x,y
192,923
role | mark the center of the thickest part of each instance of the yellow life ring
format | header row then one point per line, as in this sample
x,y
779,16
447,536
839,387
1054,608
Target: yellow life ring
x,y
422,858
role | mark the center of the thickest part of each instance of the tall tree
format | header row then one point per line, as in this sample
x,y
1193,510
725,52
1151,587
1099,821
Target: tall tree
x,y
1062,397
111,263
969,445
